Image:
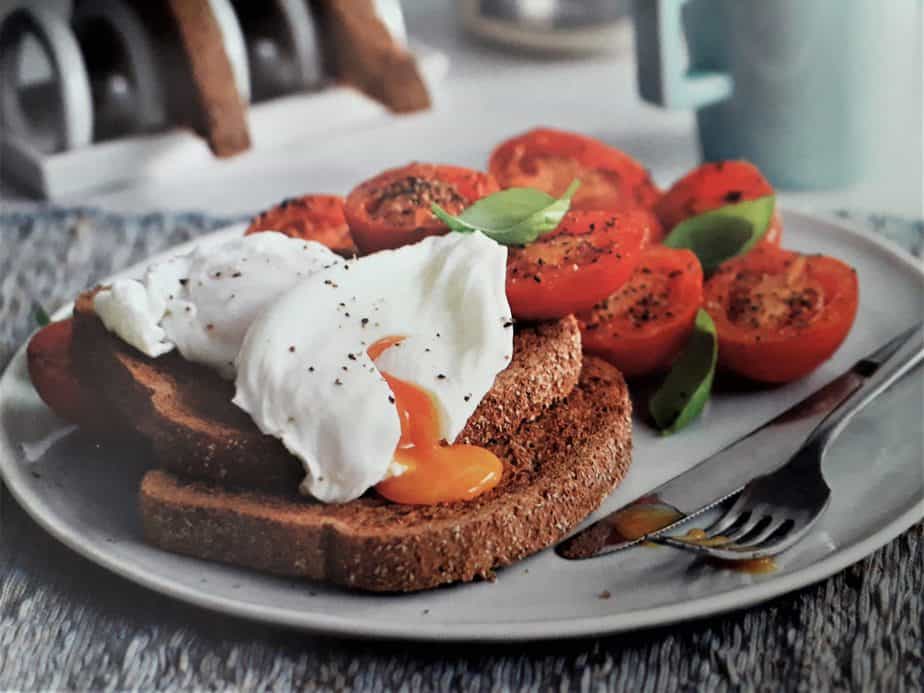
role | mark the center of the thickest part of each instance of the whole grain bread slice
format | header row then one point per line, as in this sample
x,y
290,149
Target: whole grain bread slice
x,y
557,470
185,409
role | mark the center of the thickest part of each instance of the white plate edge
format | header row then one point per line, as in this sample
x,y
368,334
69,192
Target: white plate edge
x,y
491,632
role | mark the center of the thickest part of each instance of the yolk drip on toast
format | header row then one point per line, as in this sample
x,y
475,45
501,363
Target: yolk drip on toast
x,y
435,472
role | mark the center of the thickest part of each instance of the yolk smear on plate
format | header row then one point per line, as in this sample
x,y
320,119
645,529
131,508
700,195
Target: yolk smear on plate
x,y
435,472
639,519
748,565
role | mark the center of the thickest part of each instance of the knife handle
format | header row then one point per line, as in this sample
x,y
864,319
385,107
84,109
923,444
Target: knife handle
x,y
885,368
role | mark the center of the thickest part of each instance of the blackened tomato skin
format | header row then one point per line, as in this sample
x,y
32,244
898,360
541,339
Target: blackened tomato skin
x,y
317,218
393,208
643,326
779,314
588,257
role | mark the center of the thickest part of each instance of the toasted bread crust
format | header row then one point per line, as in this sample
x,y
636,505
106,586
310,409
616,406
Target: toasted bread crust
x,y
185,409
182,408
557,469
545,368
362,53
223,112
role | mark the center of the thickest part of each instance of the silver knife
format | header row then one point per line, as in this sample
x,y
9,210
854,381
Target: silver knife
x,y
725,473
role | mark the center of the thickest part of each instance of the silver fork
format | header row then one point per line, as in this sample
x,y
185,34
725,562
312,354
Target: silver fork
x,y
776,510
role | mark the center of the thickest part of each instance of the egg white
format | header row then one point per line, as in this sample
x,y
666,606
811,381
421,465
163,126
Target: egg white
x,y
202,303
304,376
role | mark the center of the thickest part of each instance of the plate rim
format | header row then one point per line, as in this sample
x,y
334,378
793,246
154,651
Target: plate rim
x,y
444,630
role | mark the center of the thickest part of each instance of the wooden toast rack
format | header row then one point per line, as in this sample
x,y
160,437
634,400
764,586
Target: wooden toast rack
x,y
140,89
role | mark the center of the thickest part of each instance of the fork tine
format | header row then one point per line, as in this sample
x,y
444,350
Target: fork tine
x,y
746,528
727,520
769,548
775,525
793,535
768,542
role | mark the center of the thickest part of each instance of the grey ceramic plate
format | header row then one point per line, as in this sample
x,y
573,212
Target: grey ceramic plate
x,y
84,494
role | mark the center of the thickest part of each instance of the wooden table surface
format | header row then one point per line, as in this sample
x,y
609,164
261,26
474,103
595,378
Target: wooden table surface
x,y
67,624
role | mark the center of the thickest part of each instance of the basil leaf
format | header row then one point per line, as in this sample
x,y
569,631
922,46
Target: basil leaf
x,y
685,391
41,317
723,233
516,216
502,210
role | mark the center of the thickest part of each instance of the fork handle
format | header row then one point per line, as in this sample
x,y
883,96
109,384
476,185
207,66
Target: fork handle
x,y
898,357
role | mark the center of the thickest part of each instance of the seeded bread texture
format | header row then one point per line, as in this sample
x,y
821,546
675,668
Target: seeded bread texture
x,y
558,468
185,409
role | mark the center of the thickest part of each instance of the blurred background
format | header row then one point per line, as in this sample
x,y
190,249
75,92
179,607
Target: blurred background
x,y
825,96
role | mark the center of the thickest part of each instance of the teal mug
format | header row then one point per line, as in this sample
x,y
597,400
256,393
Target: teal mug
x,y
789,85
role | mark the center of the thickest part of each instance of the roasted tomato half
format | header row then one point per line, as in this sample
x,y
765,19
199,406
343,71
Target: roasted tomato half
x,y
310,217
588,257
780,314
51,370
715,185
549,160
642,327
393,209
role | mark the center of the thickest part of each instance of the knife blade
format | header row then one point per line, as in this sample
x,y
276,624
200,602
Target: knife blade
x,y
723,474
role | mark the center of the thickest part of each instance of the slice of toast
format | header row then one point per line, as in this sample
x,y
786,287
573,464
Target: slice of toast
x,y
221,113
362,53
558,468
185,409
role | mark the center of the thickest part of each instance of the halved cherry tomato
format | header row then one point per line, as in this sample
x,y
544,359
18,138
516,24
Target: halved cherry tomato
x,y
588,257
48,356
780,314
715,185
310,217
642,327
549,160
393,209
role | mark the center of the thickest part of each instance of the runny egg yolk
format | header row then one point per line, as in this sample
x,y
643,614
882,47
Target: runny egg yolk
x,y
435,472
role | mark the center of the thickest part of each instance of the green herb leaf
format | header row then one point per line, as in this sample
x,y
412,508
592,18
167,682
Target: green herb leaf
x,y
685,391
41,317
723,233
516,216
499,210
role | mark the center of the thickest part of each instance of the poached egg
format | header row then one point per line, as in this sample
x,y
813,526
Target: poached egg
x,y
365,369
203,303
